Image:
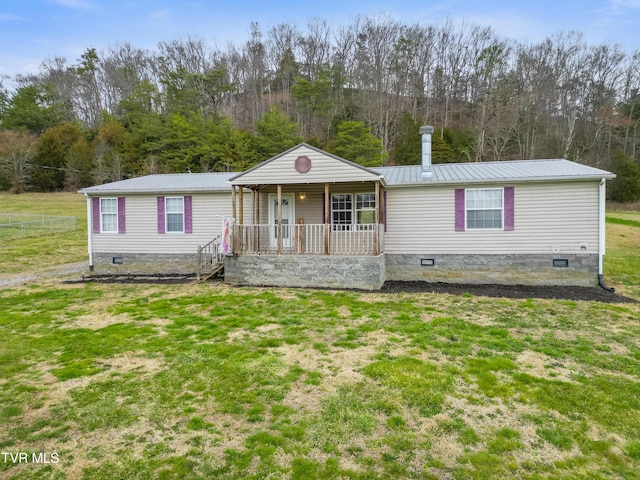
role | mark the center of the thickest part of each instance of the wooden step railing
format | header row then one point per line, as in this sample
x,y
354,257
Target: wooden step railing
x,y
210,259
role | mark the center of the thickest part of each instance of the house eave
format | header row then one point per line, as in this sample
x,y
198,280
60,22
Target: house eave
x,y
91,192
427,183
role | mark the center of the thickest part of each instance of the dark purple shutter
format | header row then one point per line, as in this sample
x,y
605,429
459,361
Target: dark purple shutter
x,y
460,210
95,214
324,210
161,228
384,218
122,224
188,215
508,208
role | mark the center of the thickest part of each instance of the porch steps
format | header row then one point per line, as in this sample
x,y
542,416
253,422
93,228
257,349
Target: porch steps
x,y
218,269
210,260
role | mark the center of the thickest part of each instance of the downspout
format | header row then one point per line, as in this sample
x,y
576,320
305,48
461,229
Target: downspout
x,y
89,231
601,234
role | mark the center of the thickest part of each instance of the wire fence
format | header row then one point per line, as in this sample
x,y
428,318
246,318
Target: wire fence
x,y
14,226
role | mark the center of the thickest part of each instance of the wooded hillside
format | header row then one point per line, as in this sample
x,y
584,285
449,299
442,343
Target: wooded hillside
x,y
360,90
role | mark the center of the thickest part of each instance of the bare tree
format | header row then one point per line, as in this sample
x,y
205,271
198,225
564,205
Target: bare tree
x,y
16,152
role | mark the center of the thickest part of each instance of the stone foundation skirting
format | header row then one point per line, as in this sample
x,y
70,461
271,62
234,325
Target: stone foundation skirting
x,y
144,263
573,270
324,271
367,272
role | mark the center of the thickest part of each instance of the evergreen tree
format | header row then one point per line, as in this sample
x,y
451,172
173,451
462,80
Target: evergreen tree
x,y
275,133
626,186
233,149
33,108
355,142
78,166
51,155
407,150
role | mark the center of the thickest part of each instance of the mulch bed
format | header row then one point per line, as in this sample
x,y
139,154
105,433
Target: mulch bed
x,y
595,294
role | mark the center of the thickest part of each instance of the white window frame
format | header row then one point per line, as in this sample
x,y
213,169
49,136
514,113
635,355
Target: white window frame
x,y
167,213
108,227
342,226
477,209
353,212
356,220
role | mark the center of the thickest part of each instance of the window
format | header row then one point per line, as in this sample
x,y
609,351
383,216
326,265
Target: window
x,y
342,211
174,208
109,215
484,209
347,215
365,211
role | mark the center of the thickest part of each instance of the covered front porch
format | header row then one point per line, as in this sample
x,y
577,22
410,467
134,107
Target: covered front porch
x,y
304,220
307,202
307,218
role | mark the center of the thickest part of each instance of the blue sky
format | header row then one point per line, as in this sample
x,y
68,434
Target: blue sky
x,y
34,30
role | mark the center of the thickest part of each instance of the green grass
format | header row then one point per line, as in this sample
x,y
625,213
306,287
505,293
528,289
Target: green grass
x,y
622,261
34,254
208,381
623,221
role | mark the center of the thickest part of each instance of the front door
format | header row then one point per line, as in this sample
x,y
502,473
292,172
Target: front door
x,y
288,220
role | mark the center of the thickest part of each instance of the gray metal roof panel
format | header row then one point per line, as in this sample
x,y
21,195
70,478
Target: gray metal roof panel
x,y
479,172
447,173
178,182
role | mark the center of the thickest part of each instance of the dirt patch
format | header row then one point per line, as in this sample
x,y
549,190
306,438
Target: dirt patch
x,y
495,415
541,365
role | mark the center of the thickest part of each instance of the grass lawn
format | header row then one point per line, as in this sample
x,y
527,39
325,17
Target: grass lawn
x,y
31,255
208,381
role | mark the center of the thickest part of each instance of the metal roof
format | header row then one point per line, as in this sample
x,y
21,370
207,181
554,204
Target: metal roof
x,y
446,173
483,172
169,183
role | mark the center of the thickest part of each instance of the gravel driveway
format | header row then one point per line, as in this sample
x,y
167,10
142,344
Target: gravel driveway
x,y
10,280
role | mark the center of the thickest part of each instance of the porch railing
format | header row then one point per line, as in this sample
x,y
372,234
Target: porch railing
x,y
309,239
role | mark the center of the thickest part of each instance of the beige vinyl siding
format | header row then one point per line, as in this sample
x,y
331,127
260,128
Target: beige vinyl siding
x,y
324,168
142,226
546,216
310,209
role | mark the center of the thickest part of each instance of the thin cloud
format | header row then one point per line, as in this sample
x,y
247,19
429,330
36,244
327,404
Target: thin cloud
x,y
619,5
9,17
159,14
77,4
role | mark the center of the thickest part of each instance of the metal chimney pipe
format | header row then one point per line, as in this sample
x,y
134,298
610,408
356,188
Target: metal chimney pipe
x,y
427,171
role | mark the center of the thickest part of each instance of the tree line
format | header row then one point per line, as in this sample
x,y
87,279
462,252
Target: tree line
x,y
360,90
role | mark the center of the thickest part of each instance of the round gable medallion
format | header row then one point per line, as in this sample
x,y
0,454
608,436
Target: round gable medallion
x,y
303,164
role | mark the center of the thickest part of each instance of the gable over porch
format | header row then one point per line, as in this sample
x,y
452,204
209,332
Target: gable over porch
x,y
307,201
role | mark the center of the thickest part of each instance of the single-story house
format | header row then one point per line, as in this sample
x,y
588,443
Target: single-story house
x,y
309,218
